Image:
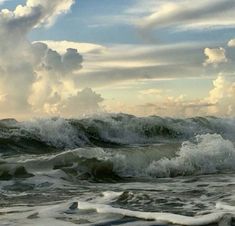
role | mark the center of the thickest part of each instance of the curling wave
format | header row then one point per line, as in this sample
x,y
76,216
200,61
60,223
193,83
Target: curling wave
x,y
111,130
205,154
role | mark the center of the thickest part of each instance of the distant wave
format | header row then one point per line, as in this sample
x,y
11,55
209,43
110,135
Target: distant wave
x,y
51,134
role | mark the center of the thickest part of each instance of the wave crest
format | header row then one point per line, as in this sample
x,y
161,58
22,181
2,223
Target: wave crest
x,y
209,153
43,135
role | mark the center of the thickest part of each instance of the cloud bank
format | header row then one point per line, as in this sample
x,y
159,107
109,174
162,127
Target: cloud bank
x,y
51,77
35,79
219,101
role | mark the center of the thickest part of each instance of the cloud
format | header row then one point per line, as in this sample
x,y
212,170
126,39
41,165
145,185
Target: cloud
x,y
215,56
219,90
222,96
54,74
119,63
85,102
174,107
62,64
219,101
164,106
176,15
201,14
84,48
153,92
34,78
2,1
50,77
38,12
231,43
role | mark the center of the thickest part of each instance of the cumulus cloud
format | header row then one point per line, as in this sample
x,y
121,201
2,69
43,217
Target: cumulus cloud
x,y
48,77
85,102
231,43
37,12
222,96
118,63
219,101
34,77
54,75
54,91
215,56
219,90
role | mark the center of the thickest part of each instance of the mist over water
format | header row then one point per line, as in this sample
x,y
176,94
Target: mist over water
x,y
121,169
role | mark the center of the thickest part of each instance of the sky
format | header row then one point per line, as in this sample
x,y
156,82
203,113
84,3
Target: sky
x,y
73,58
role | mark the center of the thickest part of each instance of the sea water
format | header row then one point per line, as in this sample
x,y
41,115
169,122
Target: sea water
x,y
117,169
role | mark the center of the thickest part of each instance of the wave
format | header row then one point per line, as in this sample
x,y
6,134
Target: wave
x,y
76,211
208,154
205,154
111,130
161,218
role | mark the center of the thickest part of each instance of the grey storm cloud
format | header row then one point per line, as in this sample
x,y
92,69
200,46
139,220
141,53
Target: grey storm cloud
x,y
53,61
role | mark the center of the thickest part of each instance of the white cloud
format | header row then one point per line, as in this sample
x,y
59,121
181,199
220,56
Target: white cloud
x,y
164,106
231,43
50,77
220,102
84,48
118,63
2,1
202,13
153,92
85,102
34,78
219,91
222,96
215,56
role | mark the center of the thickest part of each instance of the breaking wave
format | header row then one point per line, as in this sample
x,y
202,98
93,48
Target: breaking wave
x,y
204,154
53,134
208,154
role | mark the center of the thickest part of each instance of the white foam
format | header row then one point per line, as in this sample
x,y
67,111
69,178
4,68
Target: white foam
x,y
209,154
108,196
118,128
54,131
52,213
224,206
156,216
37,164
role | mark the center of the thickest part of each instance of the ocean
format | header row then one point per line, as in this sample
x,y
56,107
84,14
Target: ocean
x,y
117,169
